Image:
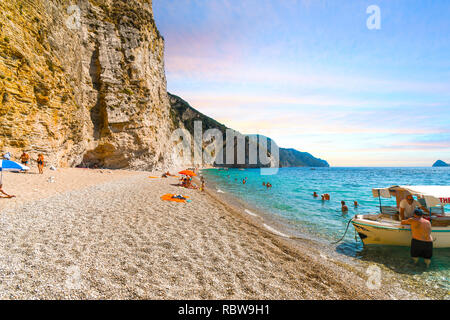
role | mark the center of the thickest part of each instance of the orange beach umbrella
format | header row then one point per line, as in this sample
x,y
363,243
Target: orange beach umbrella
x,y
187,173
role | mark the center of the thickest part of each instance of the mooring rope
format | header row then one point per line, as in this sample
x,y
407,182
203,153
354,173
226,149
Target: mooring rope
x,y
344,233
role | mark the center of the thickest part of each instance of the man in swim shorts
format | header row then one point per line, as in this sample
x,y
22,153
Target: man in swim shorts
x,y
422,241
24,158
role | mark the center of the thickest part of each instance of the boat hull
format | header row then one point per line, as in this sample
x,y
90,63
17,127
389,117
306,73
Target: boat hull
x,y
390,234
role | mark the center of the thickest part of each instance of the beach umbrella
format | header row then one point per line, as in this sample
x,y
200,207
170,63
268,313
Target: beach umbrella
x,y
8,165
187,173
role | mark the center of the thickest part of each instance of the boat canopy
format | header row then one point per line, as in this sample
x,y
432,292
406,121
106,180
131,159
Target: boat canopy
x,y
433,195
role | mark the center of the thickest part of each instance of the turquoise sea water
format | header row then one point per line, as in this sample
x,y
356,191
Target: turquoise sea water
x,y
290,202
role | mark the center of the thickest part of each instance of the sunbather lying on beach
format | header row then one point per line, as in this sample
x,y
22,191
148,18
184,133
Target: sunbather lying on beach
x,y
3,192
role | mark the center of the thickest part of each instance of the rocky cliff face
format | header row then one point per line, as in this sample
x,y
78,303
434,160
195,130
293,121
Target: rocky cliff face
x,y
295,158
85,83
185,116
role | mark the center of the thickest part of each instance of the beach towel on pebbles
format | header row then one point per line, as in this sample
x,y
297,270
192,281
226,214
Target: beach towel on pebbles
x,y
174,198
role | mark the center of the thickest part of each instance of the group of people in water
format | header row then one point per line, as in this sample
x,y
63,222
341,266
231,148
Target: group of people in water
x,y
268,185
327,197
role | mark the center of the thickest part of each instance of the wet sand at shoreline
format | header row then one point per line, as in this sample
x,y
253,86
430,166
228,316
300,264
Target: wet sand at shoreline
x,y
100,234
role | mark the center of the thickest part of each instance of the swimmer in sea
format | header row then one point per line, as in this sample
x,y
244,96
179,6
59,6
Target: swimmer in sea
x,y
315,195
344,206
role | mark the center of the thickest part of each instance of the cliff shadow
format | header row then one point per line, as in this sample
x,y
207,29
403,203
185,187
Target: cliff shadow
x,y
96,112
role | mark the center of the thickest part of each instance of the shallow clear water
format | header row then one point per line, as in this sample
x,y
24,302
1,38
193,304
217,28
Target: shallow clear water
x,y
290,202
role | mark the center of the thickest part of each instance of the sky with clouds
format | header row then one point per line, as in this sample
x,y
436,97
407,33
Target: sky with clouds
x,y
312,76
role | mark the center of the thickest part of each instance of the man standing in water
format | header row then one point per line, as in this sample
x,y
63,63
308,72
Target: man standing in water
x,y
422,241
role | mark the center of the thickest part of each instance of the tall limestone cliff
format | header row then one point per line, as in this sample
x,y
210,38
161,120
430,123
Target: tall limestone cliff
x,y
84,83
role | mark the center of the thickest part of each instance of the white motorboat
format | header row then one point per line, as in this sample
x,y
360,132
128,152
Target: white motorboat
x,y
385,227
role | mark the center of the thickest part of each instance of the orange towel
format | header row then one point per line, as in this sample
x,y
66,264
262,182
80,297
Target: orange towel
x,y
169,197
153,177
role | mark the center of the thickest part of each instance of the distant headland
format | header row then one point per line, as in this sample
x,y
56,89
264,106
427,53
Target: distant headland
x,y
441,163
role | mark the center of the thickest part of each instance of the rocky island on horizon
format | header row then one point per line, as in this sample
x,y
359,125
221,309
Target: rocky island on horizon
x,y
441,163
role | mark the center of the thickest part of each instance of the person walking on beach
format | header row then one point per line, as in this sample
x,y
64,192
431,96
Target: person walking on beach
x,y
344,206
3,192
40,163
422,241
203,184
24,158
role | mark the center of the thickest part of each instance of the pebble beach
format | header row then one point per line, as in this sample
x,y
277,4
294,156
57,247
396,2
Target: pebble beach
x,y
102,234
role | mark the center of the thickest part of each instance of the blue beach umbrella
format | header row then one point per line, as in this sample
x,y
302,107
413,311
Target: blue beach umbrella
x,y
8,165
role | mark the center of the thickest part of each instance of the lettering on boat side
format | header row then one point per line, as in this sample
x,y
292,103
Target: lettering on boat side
x,y
227,309
445,200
